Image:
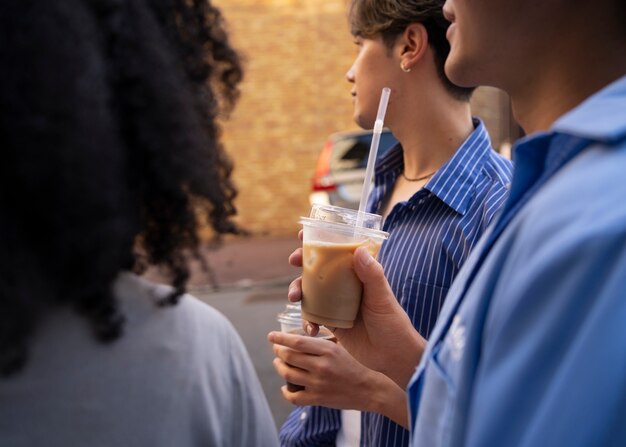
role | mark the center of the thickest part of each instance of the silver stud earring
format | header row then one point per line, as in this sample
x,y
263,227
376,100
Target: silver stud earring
x,y
403,68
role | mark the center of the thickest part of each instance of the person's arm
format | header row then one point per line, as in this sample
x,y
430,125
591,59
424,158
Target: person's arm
x,y
333,378
388,399
383,337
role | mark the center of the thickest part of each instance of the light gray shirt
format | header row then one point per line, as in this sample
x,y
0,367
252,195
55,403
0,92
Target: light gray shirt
x,y
178,377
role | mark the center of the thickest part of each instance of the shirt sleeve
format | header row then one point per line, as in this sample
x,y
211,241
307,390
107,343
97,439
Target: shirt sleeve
x,y
553,362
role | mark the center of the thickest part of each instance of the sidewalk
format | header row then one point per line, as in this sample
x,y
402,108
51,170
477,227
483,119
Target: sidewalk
x,y
245,262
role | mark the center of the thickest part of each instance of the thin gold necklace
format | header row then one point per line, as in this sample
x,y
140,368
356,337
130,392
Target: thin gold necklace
x,y
418,178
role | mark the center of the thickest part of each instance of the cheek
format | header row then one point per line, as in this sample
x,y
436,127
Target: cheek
x,y
466,38
361,70
463,58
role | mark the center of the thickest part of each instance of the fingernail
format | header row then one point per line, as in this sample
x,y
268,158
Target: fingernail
x,y
309,329
271,336
366,257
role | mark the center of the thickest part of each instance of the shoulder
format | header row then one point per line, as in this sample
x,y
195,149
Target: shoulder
x,y
497,173
498,169
141,294
570,237
586,194
490,164
491,187
577,222
556,277
191,321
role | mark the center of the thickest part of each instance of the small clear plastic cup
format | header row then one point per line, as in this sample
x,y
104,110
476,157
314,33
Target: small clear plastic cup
x,y
290,321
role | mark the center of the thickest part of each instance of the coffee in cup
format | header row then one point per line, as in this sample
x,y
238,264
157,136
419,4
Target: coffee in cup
x,y
331,291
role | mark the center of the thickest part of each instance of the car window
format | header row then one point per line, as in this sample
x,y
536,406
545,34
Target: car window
x,y
351,152
387,141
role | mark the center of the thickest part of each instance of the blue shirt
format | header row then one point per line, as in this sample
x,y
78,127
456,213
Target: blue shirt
x,y
430,237
530,346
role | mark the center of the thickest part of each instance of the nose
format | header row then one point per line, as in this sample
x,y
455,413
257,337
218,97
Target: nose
x,y
350,75
448,12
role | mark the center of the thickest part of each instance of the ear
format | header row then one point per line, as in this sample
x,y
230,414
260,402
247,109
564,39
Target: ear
x,y
413,44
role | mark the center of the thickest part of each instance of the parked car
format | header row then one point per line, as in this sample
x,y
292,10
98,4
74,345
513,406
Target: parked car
x,y
340,170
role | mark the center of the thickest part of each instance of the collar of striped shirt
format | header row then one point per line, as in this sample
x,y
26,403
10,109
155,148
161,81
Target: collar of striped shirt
x,y
455,180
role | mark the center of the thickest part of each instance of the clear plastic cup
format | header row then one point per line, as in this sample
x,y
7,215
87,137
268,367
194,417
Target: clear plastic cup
x,y
331,291
290,321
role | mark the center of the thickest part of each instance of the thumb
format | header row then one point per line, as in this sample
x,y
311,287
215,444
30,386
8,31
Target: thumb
x,y
366,267
371,274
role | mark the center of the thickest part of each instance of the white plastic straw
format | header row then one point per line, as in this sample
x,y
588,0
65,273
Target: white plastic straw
x,y
371,160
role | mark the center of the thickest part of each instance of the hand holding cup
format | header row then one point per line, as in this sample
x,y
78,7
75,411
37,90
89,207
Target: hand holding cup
x,y
382,337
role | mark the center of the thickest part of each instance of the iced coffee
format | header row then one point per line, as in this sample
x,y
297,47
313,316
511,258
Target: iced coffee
x,y
331,291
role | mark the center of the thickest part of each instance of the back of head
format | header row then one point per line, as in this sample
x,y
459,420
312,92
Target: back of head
x,y
389,19
109,140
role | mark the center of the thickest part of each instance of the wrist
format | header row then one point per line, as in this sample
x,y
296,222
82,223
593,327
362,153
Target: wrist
x,y
380,393
375,392
387,398
402,367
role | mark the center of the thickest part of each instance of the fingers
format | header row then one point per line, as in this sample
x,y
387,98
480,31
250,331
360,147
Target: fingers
x,y
311,329
290,373
335,379
301,235
299,398
294,359
295,258
366,267
371,274
303,398
295,290
302,369
294,376
293,398
316,376
300,344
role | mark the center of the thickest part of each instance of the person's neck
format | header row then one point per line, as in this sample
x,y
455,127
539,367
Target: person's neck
x,y
430,139
563,82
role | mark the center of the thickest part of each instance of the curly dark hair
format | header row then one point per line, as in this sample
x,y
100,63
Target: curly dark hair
x,y
109,131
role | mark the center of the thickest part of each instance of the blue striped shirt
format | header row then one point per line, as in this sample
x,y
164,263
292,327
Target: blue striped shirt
x,y
431,235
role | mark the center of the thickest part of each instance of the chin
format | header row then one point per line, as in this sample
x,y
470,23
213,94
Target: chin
x,y
362,122
459,71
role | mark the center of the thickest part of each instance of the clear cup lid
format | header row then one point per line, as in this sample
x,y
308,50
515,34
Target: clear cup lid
x,y
345,228
344,220
347,216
